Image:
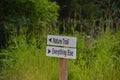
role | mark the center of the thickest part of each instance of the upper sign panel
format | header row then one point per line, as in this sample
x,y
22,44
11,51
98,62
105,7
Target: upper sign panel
x,y
61,41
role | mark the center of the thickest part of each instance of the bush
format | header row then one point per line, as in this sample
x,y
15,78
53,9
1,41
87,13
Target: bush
x,y
39,12
33,14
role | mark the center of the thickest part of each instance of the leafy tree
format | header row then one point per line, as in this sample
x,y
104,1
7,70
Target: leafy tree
x,y
34,14
36,11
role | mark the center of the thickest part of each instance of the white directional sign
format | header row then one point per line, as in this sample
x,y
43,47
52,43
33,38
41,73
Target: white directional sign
x,y
61,52
61,41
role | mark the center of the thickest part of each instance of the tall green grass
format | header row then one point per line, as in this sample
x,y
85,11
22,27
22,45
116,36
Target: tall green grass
x,y
97,59
27,60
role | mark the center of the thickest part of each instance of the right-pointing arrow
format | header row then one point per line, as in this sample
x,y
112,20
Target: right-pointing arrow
x,y
50,39
49,51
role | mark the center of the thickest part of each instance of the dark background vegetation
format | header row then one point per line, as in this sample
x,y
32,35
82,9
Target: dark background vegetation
x,y
42,13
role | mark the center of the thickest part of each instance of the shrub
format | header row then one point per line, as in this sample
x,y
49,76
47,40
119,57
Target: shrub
x,y
39,12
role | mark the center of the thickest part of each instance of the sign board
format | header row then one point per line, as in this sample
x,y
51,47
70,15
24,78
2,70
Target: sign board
x,y
61,41
61,52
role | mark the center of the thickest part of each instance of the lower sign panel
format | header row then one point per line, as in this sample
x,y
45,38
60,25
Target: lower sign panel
x,y
61,52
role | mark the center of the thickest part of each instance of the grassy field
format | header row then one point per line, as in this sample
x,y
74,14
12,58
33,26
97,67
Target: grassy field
x,y
97,59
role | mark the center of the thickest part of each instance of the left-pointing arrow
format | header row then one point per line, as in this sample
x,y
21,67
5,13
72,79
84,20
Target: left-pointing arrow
x,y
49,51
50,39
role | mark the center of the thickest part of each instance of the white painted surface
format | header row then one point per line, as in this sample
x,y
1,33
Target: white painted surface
x,y
61,41
61,52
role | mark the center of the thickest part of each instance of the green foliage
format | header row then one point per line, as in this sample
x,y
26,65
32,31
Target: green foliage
x,y
40,12
25,59
86,9
98,58
32,14
99,61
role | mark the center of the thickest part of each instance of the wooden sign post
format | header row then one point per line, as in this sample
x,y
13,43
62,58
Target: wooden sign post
x,y
63,69
66,52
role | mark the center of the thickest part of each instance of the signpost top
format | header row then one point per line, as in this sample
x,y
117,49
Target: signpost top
x,y
66,49
61,41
